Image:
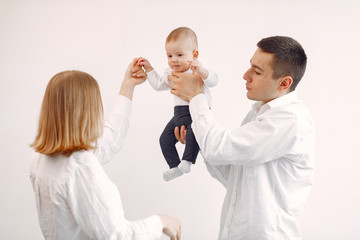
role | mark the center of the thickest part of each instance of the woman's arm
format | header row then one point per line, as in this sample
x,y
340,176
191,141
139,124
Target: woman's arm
x,y
134,75
117,123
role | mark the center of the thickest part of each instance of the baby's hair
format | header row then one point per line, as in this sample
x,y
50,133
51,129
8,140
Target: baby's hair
x,y
183,32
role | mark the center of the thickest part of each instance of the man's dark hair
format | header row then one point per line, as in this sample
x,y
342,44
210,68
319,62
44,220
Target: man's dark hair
x,y
289,57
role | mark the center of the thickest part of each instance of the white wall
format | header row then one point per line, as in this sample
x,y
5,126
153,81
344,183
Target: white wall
x,y
41,38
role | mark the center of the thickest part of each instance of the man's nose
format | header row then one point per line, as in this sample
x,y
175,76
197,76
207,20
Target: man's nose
x,y
246,76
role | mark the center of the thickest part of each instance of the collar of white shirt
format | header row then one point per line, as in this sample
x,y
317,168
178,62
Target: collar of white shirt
x,y
280,101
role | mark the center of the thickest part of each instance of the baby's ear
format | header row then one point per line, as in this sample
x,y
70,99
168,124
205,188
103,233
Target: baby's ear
x,y
195,54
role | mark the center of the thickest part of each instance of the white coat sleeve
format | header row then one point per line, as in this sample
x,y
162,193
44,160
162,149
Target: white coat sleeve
x,y
256,142
219,172
115,129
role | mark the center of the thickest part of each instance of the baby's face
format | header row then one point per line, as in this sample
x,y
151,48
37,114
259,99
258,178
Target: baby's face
x,y
179,52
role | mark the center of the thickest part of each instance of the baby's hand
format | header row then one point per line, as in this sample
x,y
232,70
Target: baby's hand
x,y
143,62
195,66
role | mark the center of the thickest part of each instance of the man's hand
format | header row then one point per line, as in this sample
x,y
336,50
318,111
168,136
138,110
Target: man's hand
x,y
186,86
180,135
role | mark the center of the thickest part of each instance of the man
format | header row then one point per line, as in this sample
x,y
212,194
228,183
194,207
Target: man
x,y
267,163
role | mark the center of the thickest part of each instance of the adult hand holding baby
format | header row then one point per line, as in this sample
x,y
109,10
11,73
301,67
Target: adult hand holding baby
x,y
186,86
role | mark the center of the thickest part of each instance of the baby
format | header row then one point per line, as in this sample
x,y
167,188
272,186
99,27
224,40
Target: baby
x,y
182,53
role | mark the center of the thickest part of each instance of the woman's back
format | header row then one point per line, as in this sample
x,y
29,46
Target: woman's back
x,y
64,187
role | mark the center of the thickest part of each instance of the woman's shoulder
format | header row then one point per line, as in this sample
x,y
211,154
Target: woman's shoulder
x,y
48,168
83,159
59,167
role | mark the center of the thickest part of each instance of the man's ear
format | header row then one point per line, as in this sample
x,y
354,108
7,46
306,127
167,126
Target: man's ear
x,y
286,83
195,54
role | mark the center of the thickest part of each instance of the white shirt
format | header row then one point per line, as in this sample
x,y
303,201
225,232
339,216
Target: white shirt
x,y
161,83
266,165
75,198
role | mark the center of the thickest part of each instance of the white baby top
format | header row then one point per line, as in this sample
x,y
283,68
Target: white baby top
x,y
161,83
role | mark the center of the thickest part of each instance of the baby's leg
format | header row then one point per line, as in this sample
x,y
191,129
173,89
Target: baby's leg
x,y
191,146
191,150
167,143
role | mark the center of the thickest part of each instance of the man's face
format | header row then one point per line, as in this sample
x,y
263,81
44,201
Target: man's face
x,y
260,84
179,52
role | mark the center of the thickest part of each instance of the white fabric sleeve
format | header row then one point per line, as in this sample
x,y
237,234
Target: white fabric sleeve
x,y
96,206
115,130
212,78
259,141
157,82
219,172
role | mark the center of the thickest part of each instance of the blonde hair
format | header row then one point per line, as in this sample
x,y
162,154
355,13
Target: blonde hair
x,y
183,32
71,116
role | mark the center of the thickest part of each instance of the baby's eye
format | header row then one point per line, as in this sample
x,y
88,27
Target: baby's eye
x,y
169,56
180,55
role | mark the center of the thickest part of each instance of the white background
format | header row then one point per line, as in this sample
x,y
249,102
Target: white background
x,y
41,38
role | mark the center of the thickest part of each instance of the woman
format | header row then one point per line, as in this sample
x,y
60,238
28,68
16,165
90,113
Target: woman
x,y
74,197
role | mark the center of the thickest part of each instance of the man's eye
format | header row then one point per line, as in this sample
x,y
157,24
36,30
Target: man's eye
x,y
256,71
